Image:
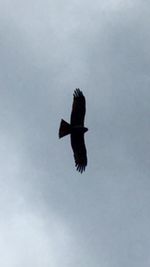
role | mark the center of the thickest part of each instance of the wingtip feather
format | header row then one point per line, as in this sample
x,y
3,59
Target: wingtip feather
x,y
77,93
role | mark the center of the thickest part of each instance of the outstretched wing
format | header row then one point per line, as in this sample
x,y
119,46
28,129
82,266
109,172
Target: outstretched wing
x,y
78,108
79,150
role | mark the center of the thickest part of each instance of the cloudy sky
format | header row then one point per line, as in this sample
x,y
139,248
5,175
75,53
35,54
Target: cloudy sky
x,y
51,215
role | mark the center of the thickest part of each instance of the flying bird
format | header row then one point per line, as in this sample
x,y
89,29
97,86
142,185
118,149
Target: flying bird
x,y
76,130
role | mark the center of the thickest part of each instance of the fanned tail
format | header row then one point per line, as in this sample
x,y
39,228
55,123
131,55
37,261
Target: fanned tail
x,y
64,128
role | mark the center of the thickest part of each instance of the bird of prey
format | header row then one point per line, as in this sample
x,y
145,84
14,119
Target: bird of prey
x,y
76,130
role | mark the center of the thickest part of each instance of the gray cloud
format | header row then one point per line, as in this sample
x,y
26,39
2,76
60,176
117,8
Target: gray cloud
x,y
50,215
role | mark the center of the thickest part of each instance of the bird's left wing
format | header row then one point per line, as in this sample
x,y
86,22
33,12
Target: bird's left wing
x,y
79,150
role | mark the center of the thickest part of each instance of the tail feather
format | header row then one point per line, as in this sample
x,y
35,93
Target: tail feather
x,y
64,128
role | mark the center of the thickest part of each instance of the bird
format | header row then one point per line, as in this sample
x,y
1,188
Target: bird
x,y
76,130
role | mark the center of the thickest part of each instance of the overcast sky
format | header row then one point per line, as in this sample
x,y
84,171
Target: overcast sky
x,y
51,215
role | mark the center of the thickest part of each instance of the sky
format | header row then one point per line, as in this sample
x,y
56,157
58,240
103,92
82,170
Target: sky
x,y
51,215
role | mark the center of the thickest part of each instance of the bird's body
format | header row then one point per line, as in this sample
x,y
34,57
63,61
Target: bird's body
x,y
76,130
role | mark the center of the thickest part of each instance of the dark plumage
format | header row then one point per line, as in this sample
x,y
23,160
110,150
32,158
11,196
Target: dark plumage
x,y
76,130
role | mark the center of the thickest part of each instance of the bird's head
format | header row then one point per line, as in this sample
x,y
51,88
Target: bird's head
x,y
85,129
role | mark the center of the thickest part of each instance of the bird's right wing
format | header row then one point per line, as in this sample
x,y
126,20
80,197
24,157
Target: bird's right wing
x,y
78,108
